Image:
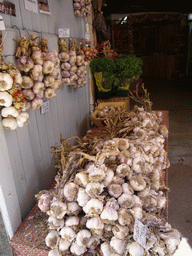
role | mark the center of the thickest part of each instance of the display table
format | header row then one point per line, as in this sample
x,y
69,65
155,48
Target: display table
x,y
29,239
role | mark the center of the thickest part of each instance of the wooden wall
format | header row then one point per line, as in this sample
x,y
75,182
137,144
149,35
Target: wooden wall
x,y
25,152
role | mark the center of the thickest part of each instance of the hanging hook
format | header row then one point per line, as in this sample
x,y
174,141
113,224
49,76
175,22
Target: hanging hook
x,y
27,32
17,29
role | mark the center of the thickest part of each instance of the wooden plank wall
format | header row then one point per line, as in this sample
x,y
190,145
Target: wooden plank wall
x,y
29,147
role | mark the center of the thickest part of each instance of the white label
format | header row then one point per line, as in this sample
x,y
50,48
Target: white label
x,y
31,5
139,234
60,32
66,32
2,25
45,107
87,36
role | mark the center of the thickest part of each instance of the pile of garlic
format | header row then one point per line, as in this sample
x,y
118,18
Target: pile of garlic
x,y
82,7
118,181
12,100
41,72
73,65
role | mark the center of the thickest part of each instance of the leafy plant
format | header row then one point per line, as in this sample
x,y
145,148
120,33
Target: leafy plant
x,y
127,67
105,65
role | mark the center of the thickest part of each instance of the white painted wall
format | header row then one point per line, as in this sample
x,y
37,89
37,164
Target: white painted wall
x,y
25,165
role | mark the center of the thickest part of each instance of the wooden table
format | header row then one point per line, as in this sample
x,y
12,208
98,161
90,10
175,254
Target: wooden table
x,y
29,239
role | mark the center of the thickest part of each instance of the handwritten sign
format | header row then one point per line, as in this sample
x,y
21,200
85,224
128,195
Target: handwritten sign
x,y
45,107
140,232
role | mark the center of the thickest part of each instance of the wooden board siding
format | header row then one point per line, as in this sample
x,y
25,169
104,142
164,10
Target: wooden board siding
x,y
28,148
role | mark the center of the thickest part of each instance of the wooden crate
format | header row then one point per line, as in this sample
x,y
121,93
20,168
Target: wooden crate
x,y
117,99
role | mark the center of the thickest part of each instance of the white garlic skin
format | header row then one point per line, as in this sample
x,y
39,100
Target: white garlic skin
x,y
51,239
120,232
82,197
93,206
70,191
118,245
67,233
95,223
77,250
109,215
126,200
94,189
82,237
64,245
81,179
135,249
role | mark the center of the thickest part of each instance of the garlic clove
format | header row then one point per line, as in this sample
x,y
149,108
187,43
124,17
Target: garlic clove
x,y
95,223
81,179
9,123
9,112
82,197
109,215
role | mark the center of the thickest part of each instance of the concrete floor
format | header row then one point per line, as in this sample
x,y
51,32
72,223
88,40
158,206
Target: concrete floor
x,y
176,97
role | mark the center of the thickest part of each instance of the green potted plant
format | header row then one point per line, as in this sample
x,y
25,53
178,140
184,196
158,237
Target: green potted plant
x,y
128,67
103,70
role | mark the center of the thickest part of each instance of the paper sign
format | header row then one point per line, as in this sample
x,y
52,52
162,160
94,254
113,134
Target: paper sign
x,y
87,36
2,25
139,234
45,107
60,32
31,5
66,32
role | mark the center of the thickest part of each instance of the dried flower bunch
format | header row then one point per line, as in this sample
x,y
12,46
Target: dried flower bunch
x,y
40,70
105,184
73,64
82,7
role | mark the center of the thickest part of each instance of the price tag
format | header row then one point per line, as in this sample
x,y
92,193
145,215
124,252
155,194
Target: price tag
x,y
45,107
60,32
66,32
140,232
87,36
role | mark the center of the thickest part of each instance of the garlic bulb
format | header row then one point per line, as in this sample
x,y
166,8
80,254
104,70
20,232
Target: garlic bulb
x,y
50,93
38,86
93,207
109,215
57,84
137,182
77,250
94,189
113,203
25,63
120,232
29,94
67,233
5,99
54,252
125,217
82,197
93,243
53,222
70,191
9,112
6,81
73,208
22,119
135,249
9,123
48,81
48,67
64,56
126,200
72,221
96,174
95,223
51,239
81,179
64,245
27,82
36,72
123,170
36,103
58,209
37,57
66,66
118,245
115,190
82,237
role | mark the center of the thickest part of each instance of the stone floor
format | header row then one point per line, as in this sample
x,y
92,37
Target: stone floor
x,y
176,97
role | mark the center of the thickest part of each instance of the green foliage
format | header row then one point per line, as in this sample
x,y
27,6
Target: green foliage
x,y
127,67
105,65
